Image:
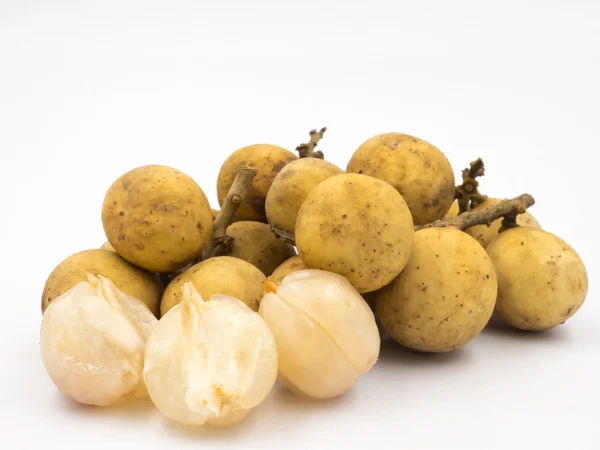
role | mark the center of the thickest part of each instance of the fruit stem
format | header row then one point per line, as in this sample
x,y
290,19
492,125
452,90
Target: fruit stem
x,y
506,208
467,193
282,234
235,197
308,150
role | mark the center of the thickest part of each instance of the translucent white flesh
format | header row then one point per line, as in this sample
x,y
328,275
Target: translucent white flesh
x,y
325,331
92,342
210,362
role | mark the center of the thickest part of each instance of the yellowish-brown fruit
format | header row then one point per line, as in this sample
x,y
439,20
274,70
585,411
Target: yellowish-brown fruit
x,y
325,332
445,295
542,281
255,242
291,187
290,265
453,211
107,246
220,275
356,226
209,362
132,280
268,160
92,341
417,169
484,234
157,218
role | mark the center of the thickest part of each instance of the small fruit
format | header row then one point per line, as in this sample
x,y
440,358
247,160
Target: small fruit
x,y
268,160
157,218
255,242
417,169
485,234
542,281
131,280
325,332
356,226
220,275
290,265
453,211
92,341
445,295
291,187
209,362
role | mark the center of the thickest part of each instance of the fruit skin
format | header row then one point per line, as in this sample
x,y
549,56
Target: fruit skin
x,y
291,187
356,226
325,332
445,295
268,160
131,280
157,218
542,281
484,234
290,265
219,275
417,169
107,246
453,211
255,242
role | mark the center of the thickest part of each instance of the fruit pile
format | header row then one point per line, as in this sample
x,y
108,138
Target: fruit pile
x,y
203,310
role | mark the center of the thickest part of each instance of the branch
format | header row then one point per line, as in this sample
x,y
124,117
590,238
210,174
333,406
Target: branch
x,y
235,197
308,150
467,193
508,209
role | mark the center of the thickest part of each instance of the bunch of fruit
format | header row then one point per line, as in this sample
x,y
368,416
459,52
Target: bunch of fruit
x,y
203,310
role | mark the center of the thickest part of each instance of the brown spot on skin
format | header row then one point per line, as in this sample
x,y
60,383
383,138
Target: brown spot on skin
x,y
199,226
126,183
121,213
121,236
140,247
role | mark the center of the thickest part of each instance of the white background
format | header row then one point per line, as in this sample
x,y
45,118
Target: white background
x,y
89,92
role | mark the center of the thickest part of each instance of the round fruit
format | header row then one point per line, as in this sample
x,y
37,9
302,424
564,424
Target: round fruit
x,y
107,246
220,275
453,211
268,160
131,280
356,226
290,265
417,169
291,187
255,242
445,295
485,234
157,218
542,281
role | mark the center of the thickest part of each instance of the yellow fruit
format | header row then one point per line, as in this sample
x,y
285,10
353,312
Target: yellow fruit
x,y
417,169
220,275
255,242
290,265
542,281
356,226
268,160
157,218
107,246
445,295
131,280
485,234
325,332
453,211
291,187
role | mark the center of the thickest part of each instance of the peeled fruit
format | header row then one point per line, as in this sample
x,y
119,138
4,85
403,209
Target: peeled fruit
x,y
131,280
417,169
209,362
255,242
325,332
357,226
290,265
291,187
453,211
92,341
445,295
220,275
157,218
542,281
268,160
485,234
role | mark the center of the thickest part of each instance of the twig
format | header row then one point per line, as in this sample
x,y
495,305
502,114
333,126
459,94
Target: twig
x,y
506,208
308,150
